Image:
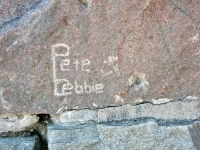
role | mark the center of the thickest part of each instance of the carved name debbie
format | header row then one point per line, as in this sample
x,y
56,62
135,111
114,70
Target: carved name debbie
x,y
62,66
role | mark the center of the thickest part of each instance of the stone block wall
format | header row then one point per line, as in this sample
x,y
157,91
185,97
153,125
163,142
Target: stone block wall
x,y
171,125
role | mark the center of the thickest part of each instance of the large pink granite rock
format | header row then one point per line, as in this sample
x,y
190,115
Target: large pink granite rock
x,y
75,54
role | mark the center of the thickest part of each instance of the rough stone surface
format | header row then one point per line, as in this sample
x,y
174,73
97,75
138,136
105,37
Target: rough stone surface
x,y
14,9
178,110
173,125
16,123
71,137
75,54
20,143
182,110
143,136
195,134
78,117
75,60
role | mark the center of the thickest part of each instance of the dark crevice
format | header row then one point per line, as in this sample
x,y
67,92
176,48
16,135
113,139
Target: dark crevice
x,y
143,103
15,134
160,122
41,129
43,117
43,143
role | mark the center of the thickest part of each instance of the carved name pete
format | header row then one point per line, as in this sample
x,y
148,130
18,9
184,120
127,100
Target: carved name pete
x,y
61,64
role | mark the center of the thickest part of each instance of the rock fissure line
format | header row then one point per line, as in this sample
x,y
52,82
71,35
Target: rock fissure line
x,y
160,122
179,8
166,46
160,102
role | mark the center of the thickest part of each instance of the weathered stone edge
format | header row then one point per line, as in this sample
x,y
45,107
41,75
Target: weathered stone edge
x,y
185,110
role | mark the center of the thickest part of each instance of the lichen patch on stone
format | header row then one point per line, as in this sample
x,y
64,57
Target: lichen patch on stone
x,y
138,82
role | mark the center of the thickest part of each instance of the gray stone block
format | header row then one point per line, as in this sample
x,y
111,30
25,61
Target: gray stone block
x,y
172,111
74,117
17,123
71,137
195,134
143,136
20,143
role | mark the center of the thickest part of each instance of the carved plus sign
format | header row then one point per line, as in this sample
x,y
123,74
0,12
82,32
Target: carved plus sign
x,y
76,63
